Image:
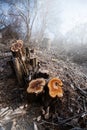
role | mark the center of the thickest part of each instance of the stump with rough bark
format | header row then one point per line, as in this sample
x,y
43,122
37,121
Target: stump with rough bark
x,y
24,66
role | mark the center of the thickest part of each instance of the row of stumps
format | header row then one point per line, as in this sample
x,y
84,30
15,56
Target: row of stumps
x,y
27,72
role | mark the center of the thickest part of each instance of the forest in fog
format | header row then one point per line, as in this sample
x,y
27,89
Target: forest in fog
x,y
43,64
38,21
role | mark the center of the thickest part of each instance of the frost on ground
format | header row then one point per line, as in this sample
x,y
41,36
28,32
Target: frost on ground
x,y
65,113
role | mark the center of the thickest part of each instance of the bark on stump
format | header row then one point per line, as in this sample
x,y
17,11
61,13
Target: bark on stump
x,y
24,66
19,58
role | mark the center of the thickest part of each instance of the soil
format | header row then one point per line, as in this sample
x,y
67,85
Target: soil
x,y
19,112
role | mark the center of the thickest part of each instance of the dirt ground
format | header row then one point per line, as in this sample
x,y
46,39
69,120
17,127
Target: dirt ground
x,y
19,112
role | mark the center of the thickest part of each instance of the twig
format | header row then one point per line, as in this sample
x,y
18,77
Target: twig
x,y
69,119
50,123
82,92
84,104
64,121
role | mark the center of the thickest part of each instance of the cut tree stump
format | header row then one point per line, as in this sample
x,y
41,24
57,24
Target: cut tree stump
x,y
18,70
24,66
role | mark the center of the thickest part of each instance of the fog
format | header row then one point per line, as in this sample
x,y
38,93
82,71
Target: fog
x,y
66,15
61,16
73,14
64,22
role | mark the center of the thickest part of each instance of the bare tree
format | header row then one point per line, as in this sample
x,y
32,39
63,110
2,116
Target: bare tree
x,y
26,17
3,17
26,12
41,19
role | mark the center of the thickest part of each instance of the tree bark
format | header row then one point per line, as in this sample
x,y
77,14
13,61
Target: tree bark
x,y
19,58
24,66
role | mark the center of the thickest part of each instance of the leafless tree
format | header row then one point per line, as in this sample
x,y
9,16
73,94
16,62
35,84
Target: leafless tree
x,y
26,12
41,19
26,17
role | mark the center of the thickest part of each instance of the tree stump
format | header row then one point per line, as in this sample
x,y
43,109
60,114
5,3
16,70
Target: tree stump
x,y
24,66
18,70
19,58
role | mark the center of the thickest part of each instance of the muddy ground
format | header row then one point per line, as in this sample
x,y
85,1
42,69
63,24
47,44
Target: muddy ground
x,y
18,112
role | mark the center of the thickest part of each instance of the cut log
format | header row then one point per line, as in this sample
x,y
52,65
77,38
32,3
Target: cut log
x,y
36,86
33,62
27,54
55,87
35,90
19,58
24,67
18,50
18,70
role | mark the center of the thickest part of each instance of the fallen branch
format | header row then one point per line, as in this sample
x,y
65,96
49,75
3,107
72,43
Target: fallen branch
x,y
71,118
82,92
65,120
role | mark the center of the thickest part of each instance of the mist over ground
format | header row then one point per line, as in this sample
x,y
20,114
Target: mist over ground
x,y
43,49
57,25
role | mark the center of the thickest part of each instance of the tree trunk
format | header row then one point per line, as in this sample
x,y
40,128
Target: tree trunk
x,y
19,58
24,66
18,70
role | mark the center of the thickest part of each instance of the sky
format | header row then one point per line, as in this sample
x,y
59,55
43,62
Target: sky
x,y
73,13
64,15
